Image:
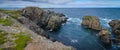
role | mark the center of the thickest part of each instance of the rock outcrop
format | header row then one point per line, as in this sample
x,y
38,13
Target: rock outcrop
x,y
45,19
115,24
32,26
104,36
4,16
30,30
91,22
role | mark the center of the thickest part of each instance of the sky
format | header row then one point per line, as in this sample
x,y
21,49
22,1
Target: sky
x,y
60,3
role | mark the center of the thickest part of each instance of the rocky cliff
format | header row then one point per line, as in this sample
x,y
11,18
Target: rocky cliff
x,y
45,19
24,30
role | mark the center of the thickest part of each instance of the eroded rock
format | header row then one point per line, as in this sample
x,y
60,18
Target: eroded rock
x,y
32,26
91,22
104,35
45,19
115,24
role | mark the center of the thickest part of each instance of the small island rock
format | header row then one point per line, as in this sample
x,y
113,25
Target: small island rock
x,y
91,22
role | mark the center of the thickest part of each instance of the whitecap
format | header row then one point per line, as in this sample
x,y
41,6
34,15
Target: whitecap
x,y
74,20
74,40
105,21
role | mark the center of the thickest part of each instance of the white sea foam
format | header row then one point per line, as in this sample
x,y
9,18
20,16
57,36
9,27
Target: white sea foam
x,y
74,20
74,40
106,21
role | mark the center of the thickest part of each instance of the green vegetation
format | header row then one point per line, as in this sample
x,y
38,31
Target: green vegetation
x,y
88,17
2,37
1,48
5,22
12,13
21,40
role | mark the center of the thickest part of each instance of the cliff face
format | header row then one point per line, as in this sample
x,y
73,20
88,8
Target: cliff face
x,y
25,33
45,19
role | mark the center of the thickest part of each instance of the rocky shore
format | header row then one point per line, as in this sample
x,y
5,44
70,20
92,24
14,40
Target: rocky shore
x,y
115,25
26,29
104,34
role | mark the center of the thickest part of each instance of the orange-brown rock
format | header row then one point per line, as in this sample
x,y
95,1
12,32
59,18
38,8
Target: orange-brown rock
x,y
91,22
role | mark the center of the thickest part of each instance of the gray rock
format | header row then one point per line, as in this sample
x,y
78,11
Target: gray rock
x,y
3,15
45,19
32,26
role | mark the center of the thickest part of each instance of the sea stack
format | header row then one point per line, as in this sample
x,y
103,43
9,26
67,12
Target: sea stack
x,y
45,19
104,36
91,22
115,24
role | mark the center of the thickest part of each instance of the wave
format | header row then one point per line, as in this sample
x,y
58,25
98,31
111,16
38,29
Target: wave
x,y
78,21
74,40
74,20
105,21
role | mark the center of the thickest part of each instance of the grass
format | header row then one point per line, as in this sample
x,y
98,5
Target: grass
x,y
88,17
6,22
12,13
2,37
1,48
21,41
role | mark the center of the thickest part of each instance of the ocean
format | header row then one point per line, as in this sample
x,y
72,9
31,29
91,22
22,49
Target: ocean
x,y
73,34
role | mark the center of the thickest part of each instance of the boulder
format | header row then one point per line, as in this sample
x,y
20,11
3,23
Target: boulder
x,y
91,22
104,36
115,24
43,18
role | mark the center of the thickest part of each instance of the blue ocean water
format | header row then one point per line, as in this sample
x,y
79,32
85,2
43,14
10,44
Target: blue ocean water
x,y
73,34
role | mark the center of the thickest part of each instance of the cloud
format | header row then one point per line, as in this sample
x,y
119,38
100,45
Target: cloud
x,y
54,1
57,3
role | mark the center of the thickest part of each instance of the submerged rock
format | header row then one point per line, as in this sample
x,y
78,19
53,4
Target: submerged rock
x,y
45,19
104,35
115,24
91,22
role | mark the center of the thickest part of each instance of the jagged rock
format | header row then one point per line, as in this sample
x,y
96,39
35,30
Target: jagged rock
x,y
115,24
3,15
104,35
55,21
91,22
45,19
32,26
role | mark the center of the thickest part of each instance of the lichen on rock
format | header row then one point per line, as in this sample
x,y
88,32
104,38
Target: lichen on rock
x,y
91,22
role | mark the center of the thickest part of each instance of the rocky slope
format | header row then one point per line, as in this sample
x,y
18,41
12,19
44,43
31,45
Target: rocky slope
x,y
91,22
20,33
